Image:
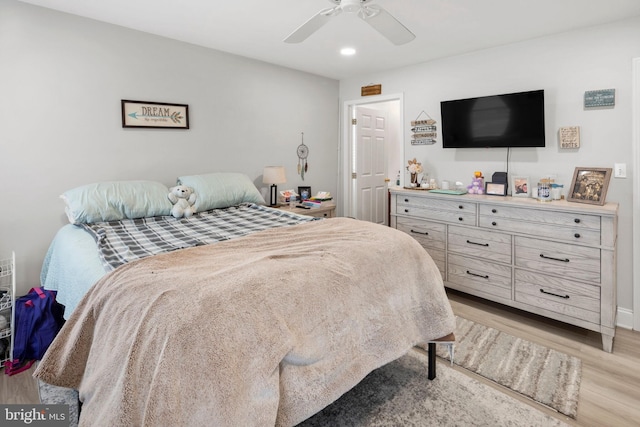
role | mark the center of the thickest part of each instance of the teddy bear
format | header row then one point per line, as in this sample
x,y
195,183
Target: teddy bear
x,y
183,199
476,187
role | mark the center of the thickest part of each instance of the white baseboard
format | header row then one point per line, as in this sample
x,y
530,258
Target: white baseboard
x,y
625,318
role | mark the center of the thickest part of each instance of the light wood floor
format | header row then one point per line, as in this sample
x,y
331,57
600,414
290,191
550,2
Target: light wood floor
x,y
610,388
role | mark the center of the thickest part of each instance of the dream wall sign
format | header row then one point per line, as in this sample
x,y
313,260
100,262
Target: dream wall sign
x,y
142,114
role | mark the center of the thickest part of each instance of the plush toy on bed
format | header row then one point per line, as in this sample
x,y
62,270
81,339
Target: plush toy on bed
x,y
183,199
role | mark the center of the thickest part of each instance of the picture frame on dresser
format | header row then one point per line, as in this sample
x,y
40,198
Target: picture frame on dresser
x,y
589,185
496,188
304,192
521,186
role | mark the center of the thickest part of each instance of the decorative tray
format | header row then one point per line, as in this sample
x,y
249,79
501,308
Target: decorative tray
x,y
456,192
416,188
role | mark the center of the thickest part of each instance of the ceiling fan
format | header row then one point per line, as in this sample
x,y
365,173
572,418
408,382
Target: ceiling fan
x,y
376,16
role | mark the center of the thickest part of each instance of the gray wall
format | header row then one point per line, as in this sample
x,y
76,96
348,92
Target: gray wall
x,y
61,81
565,66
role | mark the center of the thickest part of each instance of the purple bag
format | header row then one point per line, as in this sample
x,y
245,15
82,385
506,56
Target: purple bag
x,y
38,319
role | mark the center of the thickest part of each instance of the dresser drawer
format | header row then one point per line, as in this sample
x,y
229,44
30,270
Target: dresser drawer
x,y
569,233
560,259
431,235
439,204
558,225
483,244
442,210
478,274
564,219
577,300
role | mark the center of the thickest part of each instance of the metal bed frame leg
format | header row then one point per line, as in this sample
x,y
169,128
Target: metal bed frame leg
x,y
432,360
432,356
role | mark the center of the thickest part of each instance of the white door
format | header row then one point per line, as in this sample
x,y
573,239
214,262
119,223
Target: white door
x,y
370,164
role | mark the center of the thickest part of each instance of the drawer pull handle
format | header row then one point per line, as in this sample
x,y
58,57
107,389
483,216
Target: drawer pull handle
x,y
577,235
577,220
406,210
476,243
477,275
460,219
554,259
420,232
493,211
460,207
494,223
406,200
555,295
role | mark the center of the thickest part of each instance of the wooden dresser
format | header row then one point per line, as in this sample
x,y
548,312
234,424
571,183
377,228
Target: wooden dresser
x,y
556,259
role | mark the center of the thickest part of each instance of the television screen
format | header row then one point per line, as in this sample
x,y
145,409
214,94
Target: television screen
x,y
509,120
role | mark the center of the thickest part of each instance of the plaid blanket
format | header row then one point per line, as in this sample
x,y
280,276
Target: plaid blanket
x,y
127,240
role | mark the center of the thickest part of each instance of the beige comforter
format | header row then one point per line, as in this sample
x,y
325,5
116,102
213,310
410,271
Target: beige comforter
x,y
263,330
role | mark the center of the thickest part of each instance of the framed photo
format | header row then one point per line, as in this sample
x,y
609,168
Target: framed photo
x,y
520,186
304,192
589,185
496,188
143,114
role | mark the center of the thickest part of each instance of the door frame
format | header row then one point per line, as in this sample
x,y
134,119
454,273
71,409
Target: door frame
x,y
635,209
346,143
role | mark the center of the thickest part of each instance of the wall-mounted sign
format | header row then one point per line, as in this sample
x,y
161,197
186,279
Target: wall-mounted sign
x,y
600,98
370,90
144,114
569,137
424,131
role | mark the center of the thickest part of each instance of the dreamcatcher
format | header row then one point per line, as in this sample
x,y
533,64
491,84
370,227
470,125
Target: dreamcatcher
x,y
303,152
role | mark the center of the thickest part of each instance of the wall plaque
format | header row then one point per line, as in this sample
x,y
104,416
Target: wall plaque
x,y
600,98
370,90
424,130
147,114
569,137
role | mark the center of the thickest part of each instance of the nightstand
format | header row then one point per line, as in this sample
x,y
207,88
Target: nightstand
x,y
328,211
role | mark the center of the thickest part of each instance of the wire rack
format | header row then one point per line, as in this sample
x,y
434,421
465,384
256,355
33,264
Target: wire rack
x,y
7,293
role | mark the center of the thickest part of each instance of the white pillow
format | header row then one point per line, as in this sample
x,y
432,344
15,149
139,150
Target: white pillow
x,y
221,190
116,200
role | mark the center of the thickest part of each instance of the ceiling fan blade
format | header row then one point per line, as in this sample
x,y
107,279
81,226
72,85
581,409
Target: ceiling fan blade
x,y
312,25
383,22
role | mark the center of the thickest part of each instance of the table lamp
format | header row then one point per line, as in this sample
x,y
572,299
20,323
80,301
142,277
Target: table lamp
x,y
274,175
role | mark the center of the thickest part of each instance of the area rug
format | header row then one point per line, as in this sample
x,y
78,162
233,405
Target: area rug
x,y
54,395
399,394
540,373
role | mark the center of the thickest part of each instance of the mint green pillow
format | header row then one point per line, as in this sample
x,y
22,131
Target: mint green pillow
x,y
221,190
116,200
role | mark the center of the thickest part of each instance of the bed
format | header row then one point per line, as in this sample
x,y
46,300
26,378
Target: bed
x,y
262,325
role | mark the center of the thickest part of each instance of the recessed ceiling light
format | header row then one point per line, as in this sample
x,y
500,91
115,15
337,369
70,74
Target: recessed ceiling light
x,y
347,51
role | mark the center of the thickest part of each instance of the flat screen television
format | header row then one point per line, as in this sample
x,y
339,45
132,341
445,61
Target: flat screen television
x,y
509,120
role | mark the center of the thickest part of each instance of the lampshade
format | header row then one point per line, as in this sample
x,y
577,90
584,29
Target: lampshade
x,y
274,175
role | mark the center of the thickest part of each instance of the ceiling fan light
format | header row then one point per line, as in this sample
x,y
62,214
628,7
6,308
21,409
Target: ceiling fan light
x,y
368,12
347,51
351,5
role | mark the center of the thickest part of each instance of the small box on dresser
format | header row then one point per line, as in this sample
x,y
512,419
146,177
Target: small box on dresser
x,y
554,259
